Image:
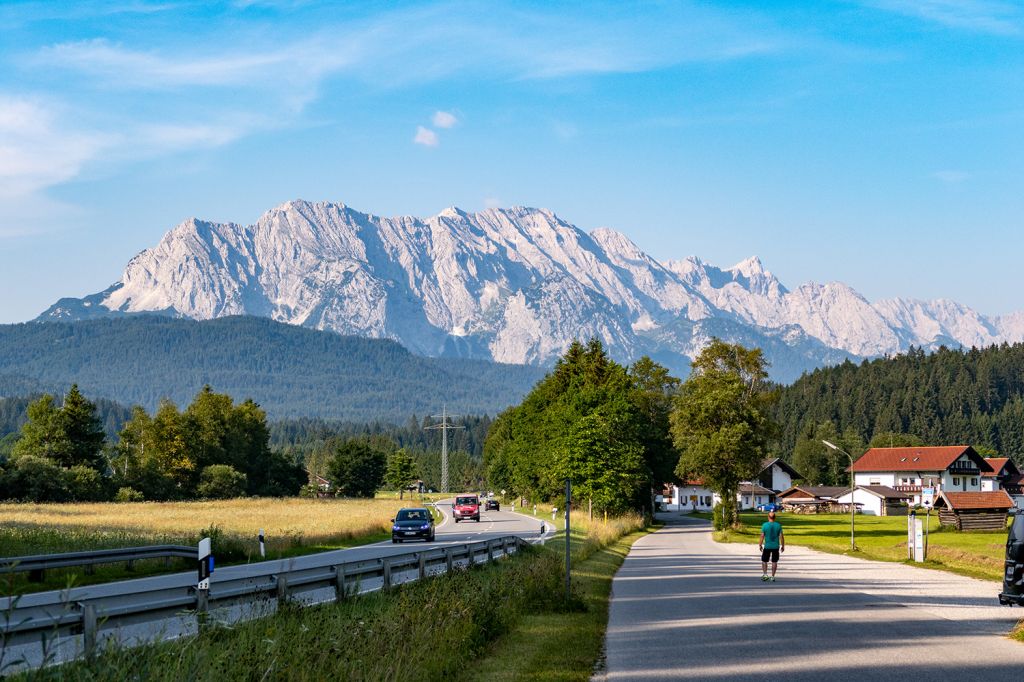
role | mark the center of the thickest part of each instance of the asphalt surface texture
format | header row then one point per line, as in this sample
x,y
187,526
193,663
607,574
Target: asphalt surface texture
x,y
685,607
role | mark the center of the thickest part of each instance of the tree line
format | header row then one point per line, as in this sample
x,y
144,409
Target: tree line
x,y
213,448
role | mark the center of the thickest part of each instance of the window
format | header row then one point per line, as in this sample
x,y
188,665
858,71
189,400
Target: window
x,y
956,481
974,481
875,481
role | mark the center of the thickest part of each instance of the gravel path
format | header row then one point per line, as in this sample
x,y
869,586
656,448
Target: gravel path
x,y
686,607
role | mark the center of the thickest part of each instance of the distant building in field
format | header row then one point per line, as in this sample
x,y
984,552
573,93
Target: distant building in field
x,y
776,475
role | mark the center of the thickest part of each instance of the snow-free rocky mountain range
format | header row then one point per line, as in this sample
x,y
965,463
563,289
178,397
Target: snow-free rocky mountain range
x,y
514,285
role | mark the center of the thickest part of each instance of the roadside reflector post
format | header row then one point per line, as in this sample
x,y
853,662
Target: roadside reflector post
x,y
534,510
263,547
89,627
339,582
204,570
554,511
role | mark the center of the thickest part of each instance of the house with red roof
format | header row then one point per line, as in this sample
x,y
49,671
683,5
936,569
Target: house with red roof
x,y
974,510
953,468
1005,475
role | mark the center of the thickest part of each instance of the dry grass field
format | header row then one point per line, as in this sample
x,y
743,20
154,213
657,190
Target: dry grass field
x,y
291,525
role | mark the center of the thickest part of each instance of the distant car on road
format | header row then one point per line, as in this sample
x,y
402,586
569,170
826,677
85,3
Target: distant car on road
x,y
492,504
774,506
412,524
466,507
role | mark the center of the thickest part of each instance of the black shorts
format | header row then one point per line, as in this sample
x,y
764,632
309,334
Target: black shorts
x,y
770,555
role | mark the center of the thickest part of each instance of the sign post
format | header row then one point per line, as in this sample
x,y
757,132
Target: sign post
x,y
568,501
263,547
928,500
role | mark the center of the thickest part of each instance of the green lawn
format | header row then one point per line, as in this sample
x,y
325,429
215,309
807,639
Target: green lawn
x,y
976,553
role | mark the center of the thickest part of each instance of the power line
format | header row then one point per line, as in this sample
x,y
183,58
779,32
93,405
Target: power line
x,y
444,427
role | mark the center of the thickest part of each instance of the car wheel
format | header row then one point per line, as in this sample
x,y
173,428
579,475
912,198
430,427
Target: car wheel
x,y
456,520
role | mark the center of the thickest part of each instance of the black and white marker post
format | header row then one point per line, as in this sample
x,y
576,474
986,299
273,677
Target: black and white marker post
x,y
263,547
205,569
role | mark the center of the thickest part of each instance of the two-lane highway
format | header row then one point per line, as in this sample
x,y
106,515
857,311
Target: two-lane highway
x,y
492,525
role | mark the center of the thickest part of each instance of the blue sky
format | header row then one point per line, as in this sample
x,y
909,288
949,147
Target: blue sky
x,y
880,143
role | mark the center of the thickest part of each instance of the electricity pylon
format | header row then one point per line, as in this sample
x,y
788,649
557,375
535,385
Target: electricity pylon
x,y
444,427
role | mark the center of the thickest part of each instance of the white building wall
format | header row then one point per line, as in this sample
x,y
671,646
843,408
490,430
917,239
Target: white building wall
x,y
957,482
989,484
871,504
681,499
780,479
872,478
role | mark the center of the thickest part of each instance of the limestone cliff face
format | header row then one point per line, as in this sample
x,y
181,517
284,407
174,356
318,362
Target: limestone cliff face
x,y
515,285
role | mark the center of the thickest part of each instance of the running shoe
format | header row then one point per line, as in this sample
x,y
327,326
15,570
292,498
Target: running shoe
x,y
772,579
764,578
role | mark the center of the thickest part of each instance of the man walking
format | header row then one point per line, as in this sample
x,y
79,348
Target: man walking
x,y
772,542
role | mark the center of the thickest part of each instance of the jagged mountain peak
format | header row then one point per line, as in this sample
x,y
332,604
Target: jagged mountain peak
x,y
514,284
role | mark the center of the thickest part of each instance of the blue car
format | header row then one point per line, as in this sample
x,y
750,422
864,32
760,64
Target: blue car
x,y
412,524
774,506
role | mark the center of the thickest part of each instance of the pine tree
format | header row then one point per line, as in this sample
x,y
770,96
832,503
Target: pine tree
x,y
84,431
44,434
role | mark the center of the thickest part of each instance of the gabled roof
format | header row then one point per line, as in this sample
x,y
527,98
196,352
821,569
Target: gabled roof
x,y
915,459
882,491
997,500
815,491
783,464
998,464
755,489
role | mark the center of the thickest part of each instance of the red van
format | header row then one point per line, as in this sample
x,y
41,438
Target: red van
x,y
466,507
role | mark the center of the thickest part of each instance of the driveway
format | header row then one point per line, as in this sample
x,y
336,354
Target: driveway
x,y
685,607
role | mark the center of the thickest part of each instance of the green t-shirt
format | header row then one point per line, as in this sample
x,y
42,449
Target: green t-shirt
x,y
771,530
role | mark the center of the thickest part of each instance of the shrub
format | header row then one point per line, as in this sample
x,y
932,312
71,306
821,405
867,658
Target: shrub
x,y
221,481
721,515
85,484
126,494
36,479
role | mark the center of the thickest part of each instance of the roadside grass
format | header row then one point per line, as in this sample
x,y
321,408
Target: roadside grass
x,y
427,630
977,554
293,526
567,645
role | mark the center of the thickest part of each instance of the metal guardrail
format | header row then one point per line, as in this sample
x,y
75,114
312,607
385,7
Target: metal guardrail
x,y
91,610
38,563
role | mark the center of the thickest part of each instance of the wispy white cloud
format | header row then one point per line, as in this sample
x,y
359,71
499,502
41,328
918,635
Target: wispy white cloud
x,y
38,149
444,119
426,137
951,177
984,16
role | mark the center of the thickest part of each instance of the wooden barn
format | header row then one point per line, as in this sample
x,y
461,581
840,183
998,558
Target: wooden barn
x,y
974,510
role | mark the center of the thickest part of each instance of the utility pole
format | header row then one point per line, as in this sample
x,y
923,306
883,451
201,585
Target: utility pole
x,y
444,427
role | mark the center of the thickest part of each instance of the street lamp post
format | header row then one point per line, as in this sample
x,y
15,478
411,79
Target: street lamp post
x,y
853,488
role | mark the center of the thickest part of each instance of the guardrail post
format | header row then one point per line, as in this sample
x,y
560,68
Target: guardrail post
x,y
504,546
202,603
386,566
89,629
423,565
449,560
490,551
131,565
339,583
282,590
35,576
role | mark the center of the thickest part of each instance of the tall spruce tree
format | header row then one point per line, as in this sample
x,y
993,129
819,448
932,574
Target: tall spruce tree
x,y
84,431
44,433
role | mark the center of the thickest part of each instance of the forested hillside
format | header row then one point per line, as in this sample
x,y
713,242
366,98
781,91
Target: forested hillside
x,y
290,371
973,397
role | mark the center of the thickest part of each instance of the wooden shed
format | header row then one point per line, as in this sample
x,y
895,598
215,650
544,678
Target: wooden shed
x,y
974,510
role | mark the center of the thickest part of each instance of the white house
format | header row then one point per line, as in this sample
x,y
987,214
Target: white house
x,y
776,476
877,500
1005,475
907,470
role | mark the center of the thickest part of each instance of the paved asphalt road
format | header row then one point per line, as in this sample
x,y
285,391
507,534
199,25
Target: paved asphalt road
x,y
491,525
685,607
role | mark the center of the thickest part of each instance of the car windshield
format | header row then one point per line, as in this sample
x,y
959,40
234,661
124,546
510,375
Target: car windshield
x,y
466,500
412,515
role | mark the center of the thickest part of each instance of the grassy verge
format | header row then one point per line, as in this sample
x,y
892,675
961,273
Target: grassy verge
x,y
977,554
292,527
428,630
567,645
